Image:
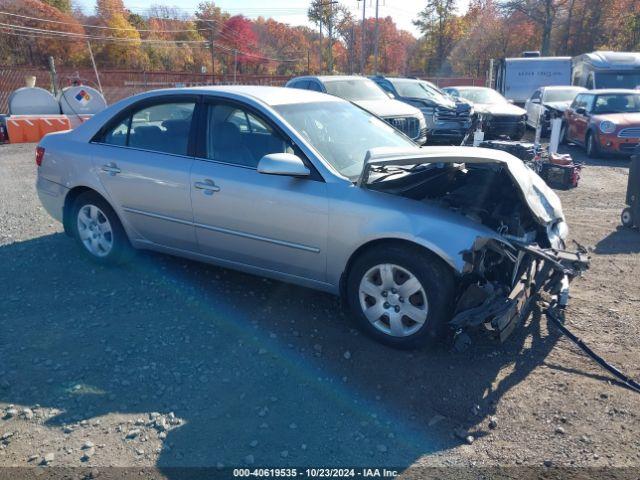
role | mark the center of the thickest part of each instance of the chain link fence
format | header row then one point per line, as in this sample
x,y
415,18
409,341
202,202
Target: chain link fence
x,y
119,84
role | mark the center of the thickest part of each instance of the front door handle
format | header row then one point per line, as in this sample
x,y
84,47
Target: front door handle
x,y
208,186
111,169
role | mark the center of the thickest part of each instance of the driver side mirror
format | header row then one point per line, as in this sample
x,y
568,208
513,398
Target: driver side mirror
x,y
581,111
286,164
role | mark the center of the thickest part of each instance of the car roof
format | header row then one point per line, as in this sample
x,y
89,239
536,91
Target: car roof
x,y
270,95
331,78
613,91
562,87
468,87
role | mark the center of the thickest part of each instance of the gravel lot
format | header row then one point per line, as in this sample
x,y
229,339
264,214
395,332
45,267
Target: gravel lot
x,y
170,363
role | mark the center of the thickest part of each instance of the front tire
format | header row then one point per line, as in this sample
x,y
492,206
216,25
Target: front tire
x,y
98,230
592,146
401,296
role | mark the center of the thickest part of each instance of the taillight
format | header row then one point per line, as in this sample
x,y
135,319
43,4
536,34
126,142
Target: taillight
x,y
39,155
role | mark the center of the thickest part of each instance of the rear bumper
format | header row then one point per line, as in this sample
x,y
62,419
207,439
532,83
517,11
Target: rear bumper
x,y
504,307
52,197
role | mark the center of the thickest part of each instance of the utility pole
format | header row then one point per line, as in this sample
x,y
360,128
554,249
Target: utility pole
x,y
93,62
320,44
352,49
375,46
323,4
212,35
235,66
363,34
331,37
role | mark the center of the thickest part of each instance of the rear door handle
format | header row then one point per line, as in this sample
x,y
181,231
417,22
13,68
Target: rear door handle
x,y
111,169
208,186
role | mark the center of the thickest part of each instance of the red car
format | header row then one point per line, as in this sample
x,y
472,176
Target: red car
x,y
604,121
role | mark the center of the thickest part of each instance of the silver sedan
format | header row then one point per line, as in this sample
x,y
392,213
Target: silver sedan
x,y
310,189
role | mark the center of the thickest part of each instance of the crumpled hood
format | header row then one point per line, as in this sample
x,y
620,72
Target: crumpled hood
x,y
498,109
388,108
559,106
543,202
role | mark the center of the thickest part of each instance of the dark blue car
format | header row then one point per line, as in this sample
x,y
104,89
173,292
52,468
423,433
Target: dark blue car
x,y
448,120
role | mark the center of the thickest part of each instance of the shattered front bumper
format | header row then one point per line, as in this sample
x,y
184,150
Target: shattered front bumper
x,y
500,306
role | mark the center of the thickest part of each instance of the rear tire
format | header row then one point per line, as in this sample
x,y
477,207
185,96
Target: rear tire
x,y
401,296
98,231
627,218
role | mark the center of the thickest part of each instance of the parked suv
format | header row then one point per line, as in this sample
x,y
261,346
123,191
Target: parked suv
x,y
366,94
604,121
448,119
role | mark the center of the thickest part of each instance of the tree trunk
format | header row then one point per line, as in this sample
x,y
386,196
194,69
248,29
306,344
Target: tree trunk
x,y
546,28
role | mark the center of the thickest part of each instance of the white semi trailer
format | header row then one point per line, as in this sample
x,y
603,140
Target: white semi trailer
x,y
518,78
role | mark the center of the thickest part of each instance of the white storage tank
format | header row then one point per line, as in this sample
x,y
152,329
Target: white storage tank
x,y
33,101
81,100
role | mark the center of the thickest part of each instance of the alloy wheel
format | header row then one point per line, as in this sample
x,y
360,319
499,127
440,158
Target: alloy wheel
x,y
94,230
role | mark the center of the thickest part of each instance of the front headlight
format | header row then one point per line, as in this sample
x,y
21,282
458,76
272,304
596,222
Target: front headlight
x,y
607,127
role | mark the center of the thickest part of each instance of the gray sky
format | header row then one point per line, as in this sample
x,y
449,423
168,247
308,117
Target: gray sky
x,y
289,11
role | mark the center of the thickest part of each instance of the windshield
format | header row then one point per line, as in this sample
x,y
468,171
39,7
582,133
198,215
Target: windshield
x,y
618,80
617,103
342,132
481,95
564,95
355,89
417,89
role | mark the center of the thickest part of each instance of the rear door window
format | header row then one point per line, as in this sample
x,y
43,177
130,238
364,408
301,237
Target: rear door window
x,y
315,86
162,127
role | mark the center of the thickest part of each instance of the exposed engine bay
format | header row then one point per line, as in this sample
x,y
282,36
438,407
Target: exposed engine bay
x,y
504,274
484,193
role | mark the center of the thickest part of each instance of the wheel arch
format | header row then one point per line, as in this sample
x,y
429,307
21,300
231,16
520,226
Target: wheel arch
x,y
386,242
70,199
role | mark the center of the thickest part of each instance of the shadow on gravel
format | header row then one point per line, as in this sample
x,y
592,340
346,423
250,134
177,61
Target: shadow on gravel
x,y
579,154
240,359
622,240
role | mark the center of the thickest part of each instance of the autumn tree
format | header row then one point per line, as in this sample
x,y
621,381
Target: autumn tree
x,y
543,12
34,47
438,23
240,43
328,15
63,6
209,22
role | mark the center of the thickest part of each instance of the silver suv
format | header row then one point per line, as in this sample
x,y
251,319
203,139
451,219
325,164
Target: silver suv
x,y
366,94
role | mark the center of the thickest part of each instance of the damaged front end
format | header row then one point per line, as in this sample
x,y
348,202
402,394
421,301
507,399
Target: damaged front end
x,y
501,280
523,255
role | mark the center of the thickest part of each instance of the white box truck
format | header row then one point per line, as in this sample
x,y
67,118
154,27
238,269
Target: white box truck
x,y
518,78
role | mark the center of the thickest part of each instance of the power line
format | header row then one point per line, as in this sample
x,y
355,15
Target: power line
x,y
132,29
42,33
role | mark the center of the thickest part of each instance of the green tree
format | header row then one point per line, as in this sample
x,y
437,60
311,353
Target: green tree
x,y
62,5
436,22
